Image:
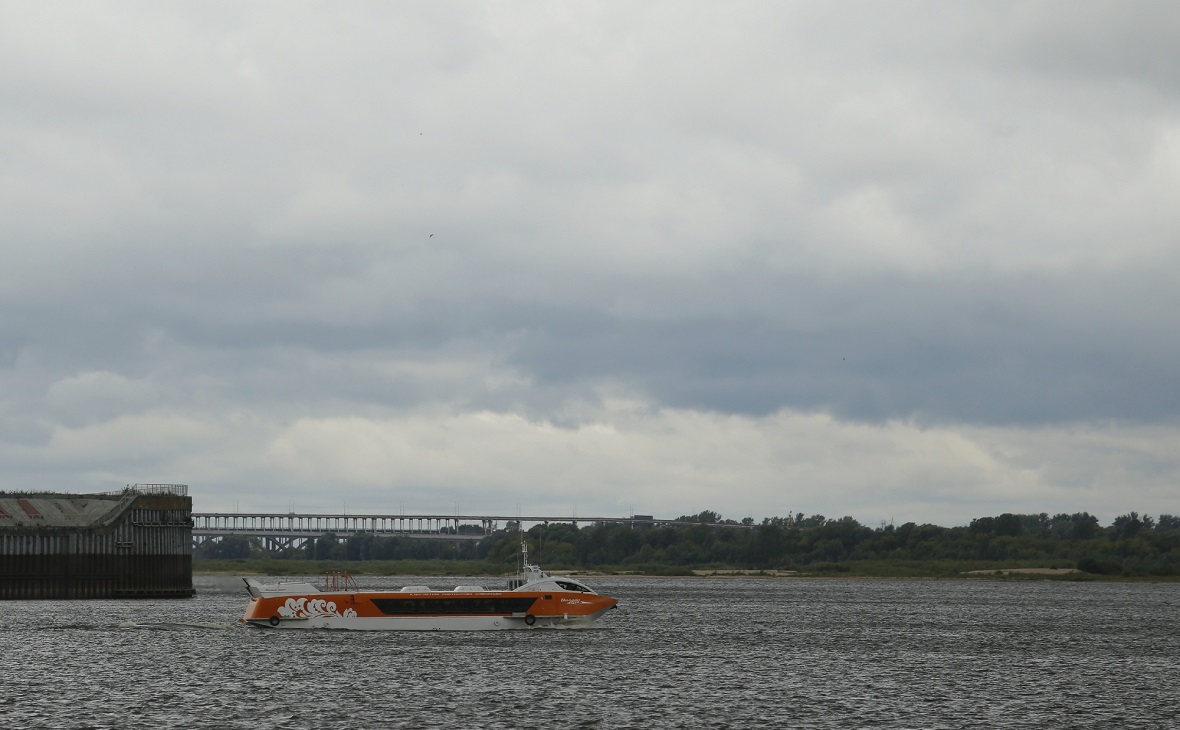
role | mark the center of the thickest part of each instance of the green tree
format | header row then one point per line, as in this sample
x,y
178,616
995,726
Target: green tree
x,y
1167,523
230,547
1009,524
1126,526
327,547
707,517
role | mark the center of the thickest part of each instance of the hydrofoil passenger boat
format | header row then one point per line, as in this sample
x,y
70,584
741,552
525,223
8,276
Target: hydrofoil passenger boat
x,y
533,600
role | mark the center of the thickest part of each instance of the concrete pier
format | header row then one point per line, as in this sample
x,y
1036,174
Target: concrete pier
x,y
136,543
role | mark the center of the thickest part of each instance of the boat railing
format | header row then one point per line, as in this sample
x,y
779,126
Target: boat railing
x,y
337,581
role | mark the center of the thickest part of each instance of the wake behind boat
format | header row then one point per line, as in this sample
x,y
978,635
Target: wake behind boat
x,y
534,599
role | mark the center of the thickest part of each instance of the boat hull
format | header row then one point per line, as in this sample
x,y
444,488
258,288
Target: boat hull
x,y
428,611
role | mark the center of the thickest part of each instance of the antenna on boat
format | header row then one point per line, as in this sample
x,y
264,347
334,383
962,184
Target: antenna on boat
x,y
522,569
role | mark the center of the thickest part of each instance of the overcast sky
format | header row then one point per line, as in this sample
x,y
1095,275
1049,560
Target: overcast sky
x,y
901,261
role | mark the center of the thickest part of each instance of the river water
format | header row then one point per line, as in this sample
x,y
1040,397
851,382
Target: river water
x,y
678,653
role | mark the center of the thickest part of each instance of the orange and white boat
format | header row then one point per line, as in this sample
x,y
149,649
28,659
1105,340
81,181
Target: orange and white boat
x,y
534,599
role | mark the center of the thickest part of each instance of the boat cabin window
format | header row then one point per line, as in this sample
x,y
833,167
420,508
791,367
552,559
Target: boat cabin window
x,y
566,585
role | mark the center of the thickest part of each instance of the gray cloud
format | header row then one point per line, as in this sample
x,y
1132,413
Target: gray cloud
x,y
952,216
973,346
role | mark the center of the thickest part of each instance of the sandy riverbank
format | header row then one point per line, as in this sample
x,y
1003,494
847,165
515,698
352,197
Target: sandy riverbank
x,y
1035,571
767,573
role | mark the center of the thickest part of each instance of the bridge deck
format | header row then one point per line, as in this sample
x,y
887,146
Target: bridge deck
x,y
294,528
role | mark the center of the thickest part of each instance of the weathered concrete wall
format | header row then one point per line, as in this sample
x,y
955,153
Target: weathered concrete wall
x,y
57,546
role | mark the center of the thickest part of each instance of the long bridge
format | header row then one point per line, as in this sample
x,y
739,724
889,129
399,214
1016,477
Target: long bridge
x,y
279,531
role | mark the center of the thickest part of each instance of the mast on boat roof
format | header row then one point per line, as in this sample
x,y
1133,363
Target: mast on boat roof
x,y
524,553
528,572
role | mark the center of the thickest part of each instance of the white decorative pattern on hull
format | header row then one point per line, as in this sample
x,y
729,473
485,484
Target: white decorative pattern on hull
x,y
313,608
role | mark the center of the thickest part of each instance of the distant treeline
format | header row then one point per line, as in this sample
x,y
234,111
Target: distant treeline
x,y
1133,545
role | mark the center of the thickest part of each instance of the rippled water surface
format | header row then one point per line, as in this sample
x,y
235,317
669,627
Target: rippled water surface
x,y
678,653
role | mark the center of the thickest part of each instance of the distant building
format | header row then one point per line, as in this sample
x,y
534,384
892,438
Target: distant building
x,y
136,543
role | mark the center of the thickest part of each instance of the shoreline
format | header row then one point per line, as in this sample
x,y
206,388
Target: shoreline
x,y
1060,575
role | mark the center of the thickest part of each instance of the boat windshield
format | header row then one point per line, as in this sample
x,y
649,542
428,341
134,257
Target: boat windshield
x,y
575,587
